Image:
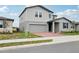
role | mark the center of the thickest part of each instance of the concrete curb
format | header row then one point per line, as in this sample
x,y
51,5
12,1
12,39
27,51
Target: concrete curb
x,y
22,40
22,46
56,40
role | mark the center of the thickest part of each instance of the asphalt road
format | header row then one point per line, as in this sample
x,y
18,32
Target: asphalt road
x,y
70,47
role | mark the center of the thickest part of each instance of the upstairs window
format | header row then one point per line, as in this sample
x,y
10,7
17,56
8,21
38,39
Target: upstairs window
x,y
36,14
49,15
65,25
40,14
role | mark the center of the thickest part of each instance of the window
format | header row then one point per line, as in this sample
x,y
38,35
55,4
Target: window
x,y
49,15
65,25
36,14
1,26
40,14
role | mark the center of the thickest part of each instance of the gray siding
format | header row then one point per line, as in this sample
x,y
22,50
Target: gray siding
x,y
77,27
29,15
61,21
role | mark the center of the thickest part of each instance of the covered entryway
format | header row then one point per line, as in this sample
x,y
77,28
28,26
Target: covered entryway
x,y
38,28
56,27
50,26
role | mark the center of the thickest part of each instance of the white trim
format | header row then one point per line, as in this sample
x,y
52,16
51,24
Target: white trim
x,y
53,26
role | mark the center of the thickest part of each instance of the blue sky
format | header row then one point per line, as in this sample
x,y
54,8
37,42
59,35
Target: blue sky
x,y
13,11
69,11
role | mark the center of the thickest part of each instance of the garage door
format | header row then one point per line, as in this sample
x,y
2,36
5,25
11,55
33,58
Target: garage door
x,y
38,28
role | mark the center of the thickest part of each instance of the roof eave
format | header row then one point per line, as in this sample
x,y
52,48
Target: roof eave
x,y
35,6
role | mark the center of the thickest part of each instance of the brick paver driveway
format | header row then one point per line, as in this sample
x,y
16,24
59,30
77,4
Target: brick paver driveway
x,y
47,34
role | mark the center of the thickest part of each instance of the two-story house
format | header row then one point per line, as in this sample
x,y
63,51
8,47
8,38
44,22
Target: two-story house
x,y
40,19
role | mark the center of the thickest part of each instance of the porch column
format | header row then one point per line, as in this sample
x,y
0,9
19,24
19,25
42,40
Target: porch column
x,y
53,27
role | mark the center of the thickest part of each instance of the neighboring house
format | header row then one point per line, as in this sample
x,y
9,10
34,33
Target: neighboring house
x,y
40,19
6,25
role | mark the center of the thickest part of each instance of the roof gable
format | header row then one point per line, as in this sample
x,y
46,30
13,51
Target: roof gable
x,y
60,19
63,18
36,6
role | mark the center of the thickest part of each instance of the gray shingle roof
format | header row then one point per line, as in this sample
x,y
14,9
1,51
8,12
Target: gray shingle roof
x,y
36,6
60,18
4,18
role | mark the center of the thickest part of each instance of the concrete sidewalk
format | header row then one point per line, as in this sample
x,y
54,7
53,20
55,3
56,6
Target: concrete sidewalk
x,y
57,39
23,40
62,39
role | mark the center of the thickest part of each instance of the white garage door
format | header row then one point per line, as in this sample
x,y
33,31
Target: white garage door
x,y
38,28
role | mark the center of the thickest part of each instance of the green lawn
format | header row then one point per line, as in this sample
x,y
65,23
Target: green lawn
x,y
24,43
71,33
17,35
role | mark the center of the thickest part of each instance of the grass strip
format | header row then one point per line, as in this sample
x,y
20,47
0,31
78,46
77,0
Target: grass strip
x,y
71,33
24,43
17,35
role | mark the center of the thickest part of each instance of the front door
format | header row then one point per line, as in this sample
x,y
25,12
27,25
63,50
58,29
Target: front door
x,y
50,26
56,27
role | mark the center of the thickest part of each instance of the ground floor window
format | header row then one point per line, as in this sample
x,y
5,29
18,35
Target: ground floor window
x,y
1,25
65,25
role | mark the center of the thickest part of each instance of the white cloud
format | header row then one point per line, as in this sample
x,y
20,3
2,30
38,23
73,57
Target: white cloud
x,y
13,14
69,12
72,14
4,9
